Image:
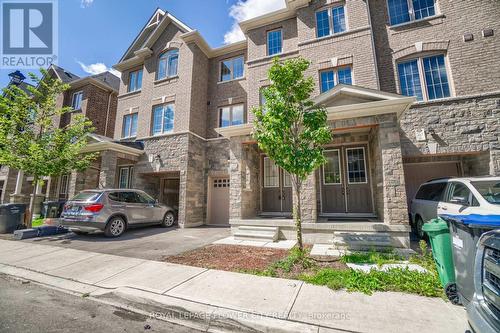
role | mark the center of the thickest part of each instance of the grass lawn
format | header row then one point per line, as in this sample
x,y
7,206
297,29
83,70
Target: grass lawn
x,y
333,273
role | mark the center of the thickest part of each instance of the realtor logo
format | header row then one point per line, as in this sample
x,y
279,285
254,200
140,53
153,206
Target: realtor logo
x,y
29,33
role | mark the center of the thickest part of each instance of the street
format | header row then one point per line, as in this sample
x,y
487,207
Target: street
x,y
28,307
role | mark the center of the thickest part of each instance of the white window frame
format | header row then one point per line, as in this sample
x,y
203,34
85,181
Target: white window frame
x,y
167,65
129,130
340,167
264,173
347,165
231,108
335,71
129,88
232,69
330,20
411,12
267,42
162,119
285,173
421,74
130,176
78,93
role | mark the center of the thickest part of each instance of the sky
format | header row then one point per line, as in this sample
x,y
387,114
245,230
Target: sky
x,y
94,34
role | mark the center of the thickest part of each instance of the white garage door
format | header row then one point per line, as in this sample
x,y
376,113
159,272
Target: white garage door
x,y
419,173
219,201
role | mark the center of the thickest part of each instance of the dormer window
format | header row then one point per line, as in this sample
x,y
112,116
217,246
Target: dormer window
x,y
330,21
168,64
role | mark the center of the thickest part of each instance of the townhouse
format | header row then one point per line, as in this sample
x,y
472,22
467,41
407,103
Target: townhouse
x,y
412,90
93,96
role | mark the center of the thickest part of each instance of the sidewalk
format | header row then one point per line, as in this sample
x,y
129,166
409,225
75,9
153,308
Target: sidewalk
x,y
217,301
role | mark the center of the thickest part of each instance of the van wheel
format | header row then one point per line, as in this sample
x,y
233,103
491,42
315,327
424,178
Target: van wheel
x,y
168,220
418,226
115,227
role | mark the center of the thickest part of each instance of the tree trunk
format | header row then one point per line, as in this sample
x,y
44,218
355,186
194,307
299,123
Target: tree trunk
x,y
297,214
29,220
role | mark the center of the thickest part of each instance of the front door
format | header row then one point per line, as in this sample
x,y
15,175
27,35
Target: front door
x,y
345,183
276,189
219,201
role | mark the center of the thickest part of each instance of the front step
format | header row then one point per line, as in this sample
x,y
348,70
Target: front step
x,y
362,241
255,233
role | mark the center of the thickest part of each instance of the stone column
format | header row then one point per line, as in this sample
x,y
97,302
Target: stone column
x,y
72,184
38,198
495,161
236,178
394,198
107,172
17,196
308,200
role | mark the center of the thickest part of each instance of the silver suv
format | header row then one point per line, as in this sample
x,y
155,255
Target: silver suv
x,y
113,211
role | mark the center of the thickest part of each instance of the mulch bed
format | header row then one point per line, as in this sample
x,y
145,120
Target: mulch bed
x,y
229,257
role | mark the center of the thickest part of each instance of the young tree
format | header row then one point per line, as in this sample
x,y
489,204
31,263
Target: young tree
x,y
30,139
289,129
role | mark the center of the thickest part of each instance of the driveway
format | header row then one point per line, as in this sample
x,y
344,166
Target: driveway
x,y
151,243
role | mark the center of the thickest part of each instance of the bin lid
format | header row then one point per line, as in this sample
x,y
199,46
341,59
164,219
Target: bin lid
x,y
474,220
12,208
435,225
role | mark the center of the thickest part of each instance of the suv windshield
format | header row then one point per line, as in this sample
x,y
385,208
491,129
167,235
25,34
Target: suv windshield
x,y
489,189
86,196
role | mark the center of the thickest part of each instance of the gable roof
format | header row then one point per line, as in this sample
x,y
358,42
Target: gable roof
x,y
62,74
361,93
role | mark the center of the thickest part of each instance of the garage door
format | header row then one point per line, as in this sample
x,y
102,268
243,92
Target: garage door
x,y
419,173
219,201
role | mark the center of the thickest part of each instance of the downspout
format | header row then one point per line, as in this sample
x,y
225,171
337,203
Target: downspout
x,y
373,43
107,114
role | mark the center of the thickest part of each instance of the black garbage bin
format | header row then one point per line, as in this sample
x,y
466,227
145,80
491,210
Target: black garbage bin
x,y
11,217
465,233
52,209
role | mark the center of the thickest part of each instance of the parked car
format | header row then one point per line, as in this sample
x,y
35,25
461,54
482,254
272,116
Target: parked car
x,y
114,211
483,313
455,196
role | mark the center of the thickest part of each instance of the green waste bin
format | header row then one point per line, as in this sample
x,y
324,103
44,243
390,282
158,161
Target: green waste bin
x,y
439,236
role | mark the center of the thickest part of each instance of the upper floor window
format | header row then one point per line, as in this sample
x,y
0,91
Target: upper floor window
x,y
135,80
129,129
274,42
330,78
232,115
330,21
163,119
76,103
168,64
425,78
401,11
232,69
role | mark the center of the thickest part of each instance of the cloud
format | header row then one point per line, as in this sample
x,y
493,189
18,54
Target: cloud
x,y
97,68
247,9
86,3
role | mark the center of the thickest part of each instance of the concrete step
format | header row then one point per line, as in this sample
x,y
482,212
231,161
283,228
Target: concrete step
x,y
361,241
257,233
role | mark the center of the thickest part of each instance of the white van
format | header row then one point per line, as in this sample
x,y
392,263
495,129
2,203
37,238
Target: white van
x,y
455,196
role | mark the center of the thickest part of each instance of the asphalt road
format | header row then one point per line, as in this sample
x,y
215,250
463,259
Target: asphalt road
x,y
27,307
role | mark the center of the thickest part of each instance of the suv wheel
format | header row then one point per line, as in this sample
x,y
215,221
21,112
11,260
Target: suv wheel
x,y
168,220
115,227
418,226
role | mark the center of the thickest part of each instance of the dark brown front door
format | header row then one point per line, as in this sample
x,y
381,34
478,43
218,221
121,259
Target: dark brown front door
x,y
276,189
345,183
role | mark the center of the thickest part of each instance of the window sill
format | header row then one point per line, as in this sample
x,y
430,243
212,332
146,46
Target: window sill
x,y
130,93
128,138
415,22
334,36
233,80
437,100
166,79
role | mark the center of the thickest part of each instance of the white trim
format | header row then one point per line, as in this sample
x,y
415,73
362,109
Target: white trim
x,y
411,13
347,165
232,69
231,109
73,100
162,132
329,9
136,80
238,130
167,64
131,115
339,163
113,146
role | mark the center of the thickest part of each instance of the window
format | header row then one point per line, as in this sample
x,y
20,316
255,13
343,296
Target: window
x,y
168,64
63,187
232,69
287,179
125,177
331,169
431,192
129,129
489,190
330,78
231,115
330,21
263,99
271,173
274,42
401,11
434,83
76,104
135,81
356,166
458,191
163,119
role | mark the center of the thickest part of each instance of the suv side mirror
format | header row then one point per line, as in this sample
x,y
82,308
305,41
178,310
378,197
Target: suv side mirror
x,y
460,200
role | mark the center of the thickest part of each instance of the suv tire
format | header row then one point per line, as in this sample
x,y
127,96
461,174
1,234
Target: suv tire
x,y
168,220
115,227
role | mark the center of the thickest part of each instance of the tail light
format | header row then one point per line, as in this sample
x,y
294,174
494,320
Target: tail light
x,y
94,208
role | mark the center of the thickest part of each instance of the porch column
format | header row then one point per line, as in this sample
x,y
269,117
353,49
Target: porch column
x,y
47,191
107,172
38,198
17,196
308,200
495,161
393,182
72,184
